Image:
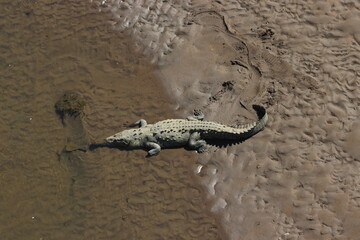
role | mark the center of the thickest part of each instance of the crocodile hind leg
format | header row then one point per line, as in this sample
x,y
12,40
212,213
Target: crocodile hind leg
x,y
195,142
154,148
198,115
139,123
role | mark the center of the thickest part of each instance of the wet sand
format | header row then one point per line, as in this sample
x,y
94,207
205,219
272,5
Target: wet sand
x,y
299,178
48,48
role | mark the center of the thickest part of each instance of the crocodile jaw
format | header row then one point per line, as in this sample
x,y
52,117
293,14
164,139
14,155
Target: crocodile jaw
x,y
132,138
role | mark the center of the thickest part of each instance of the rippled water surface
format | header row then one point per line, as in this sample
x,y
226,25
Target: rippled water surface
x,y
47,48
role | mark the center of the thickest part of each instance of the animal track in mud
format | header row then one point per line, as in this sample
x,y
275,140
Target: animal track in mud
x,y
272,95
266,34
226,86
236,62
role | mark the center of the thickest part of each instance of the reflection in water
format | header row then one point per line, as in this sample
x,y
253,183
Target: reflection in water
x,y
47,48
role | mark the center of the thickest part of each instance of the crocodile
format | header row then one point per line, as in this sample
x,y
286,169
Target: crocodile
x,y
193,133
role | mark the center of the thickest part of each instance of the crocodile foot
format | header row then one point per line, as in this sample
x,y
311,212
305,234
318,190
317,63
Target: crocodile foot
x,y
198,115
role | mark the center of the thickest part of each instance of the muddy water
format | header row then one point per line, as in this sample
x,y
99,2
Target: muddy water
x,y
47,48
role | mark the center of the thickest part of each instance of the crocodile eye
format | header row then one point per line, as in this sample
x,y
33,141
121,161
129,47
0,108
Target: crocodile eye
x,y
124,141
121,141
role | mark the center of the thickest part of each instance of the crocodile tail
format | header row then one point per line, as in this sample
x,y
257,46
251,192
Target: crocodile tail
x,y
250,129
263,118
243,132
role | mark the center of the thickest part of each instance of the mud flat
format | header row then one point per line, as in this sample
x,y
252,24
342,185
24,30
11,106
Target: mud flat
x,y
299,178
51,47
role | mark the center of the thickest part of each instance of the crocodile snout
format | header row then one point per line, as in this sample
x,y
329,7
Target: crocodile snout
x,y
110,139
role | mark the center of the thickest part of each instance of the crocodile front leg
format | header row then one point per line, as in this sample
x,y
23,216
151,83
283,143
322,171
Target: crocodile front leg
x,y
198,115
154,148
139,123
195,142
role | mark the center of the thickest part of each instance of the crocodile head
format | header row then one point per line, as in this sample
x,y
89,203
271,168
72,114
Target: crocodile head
x,y
119,139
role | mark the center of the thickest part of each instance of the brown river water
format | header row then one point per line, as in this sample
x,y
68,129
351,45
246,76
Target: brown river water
x,y
48,48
